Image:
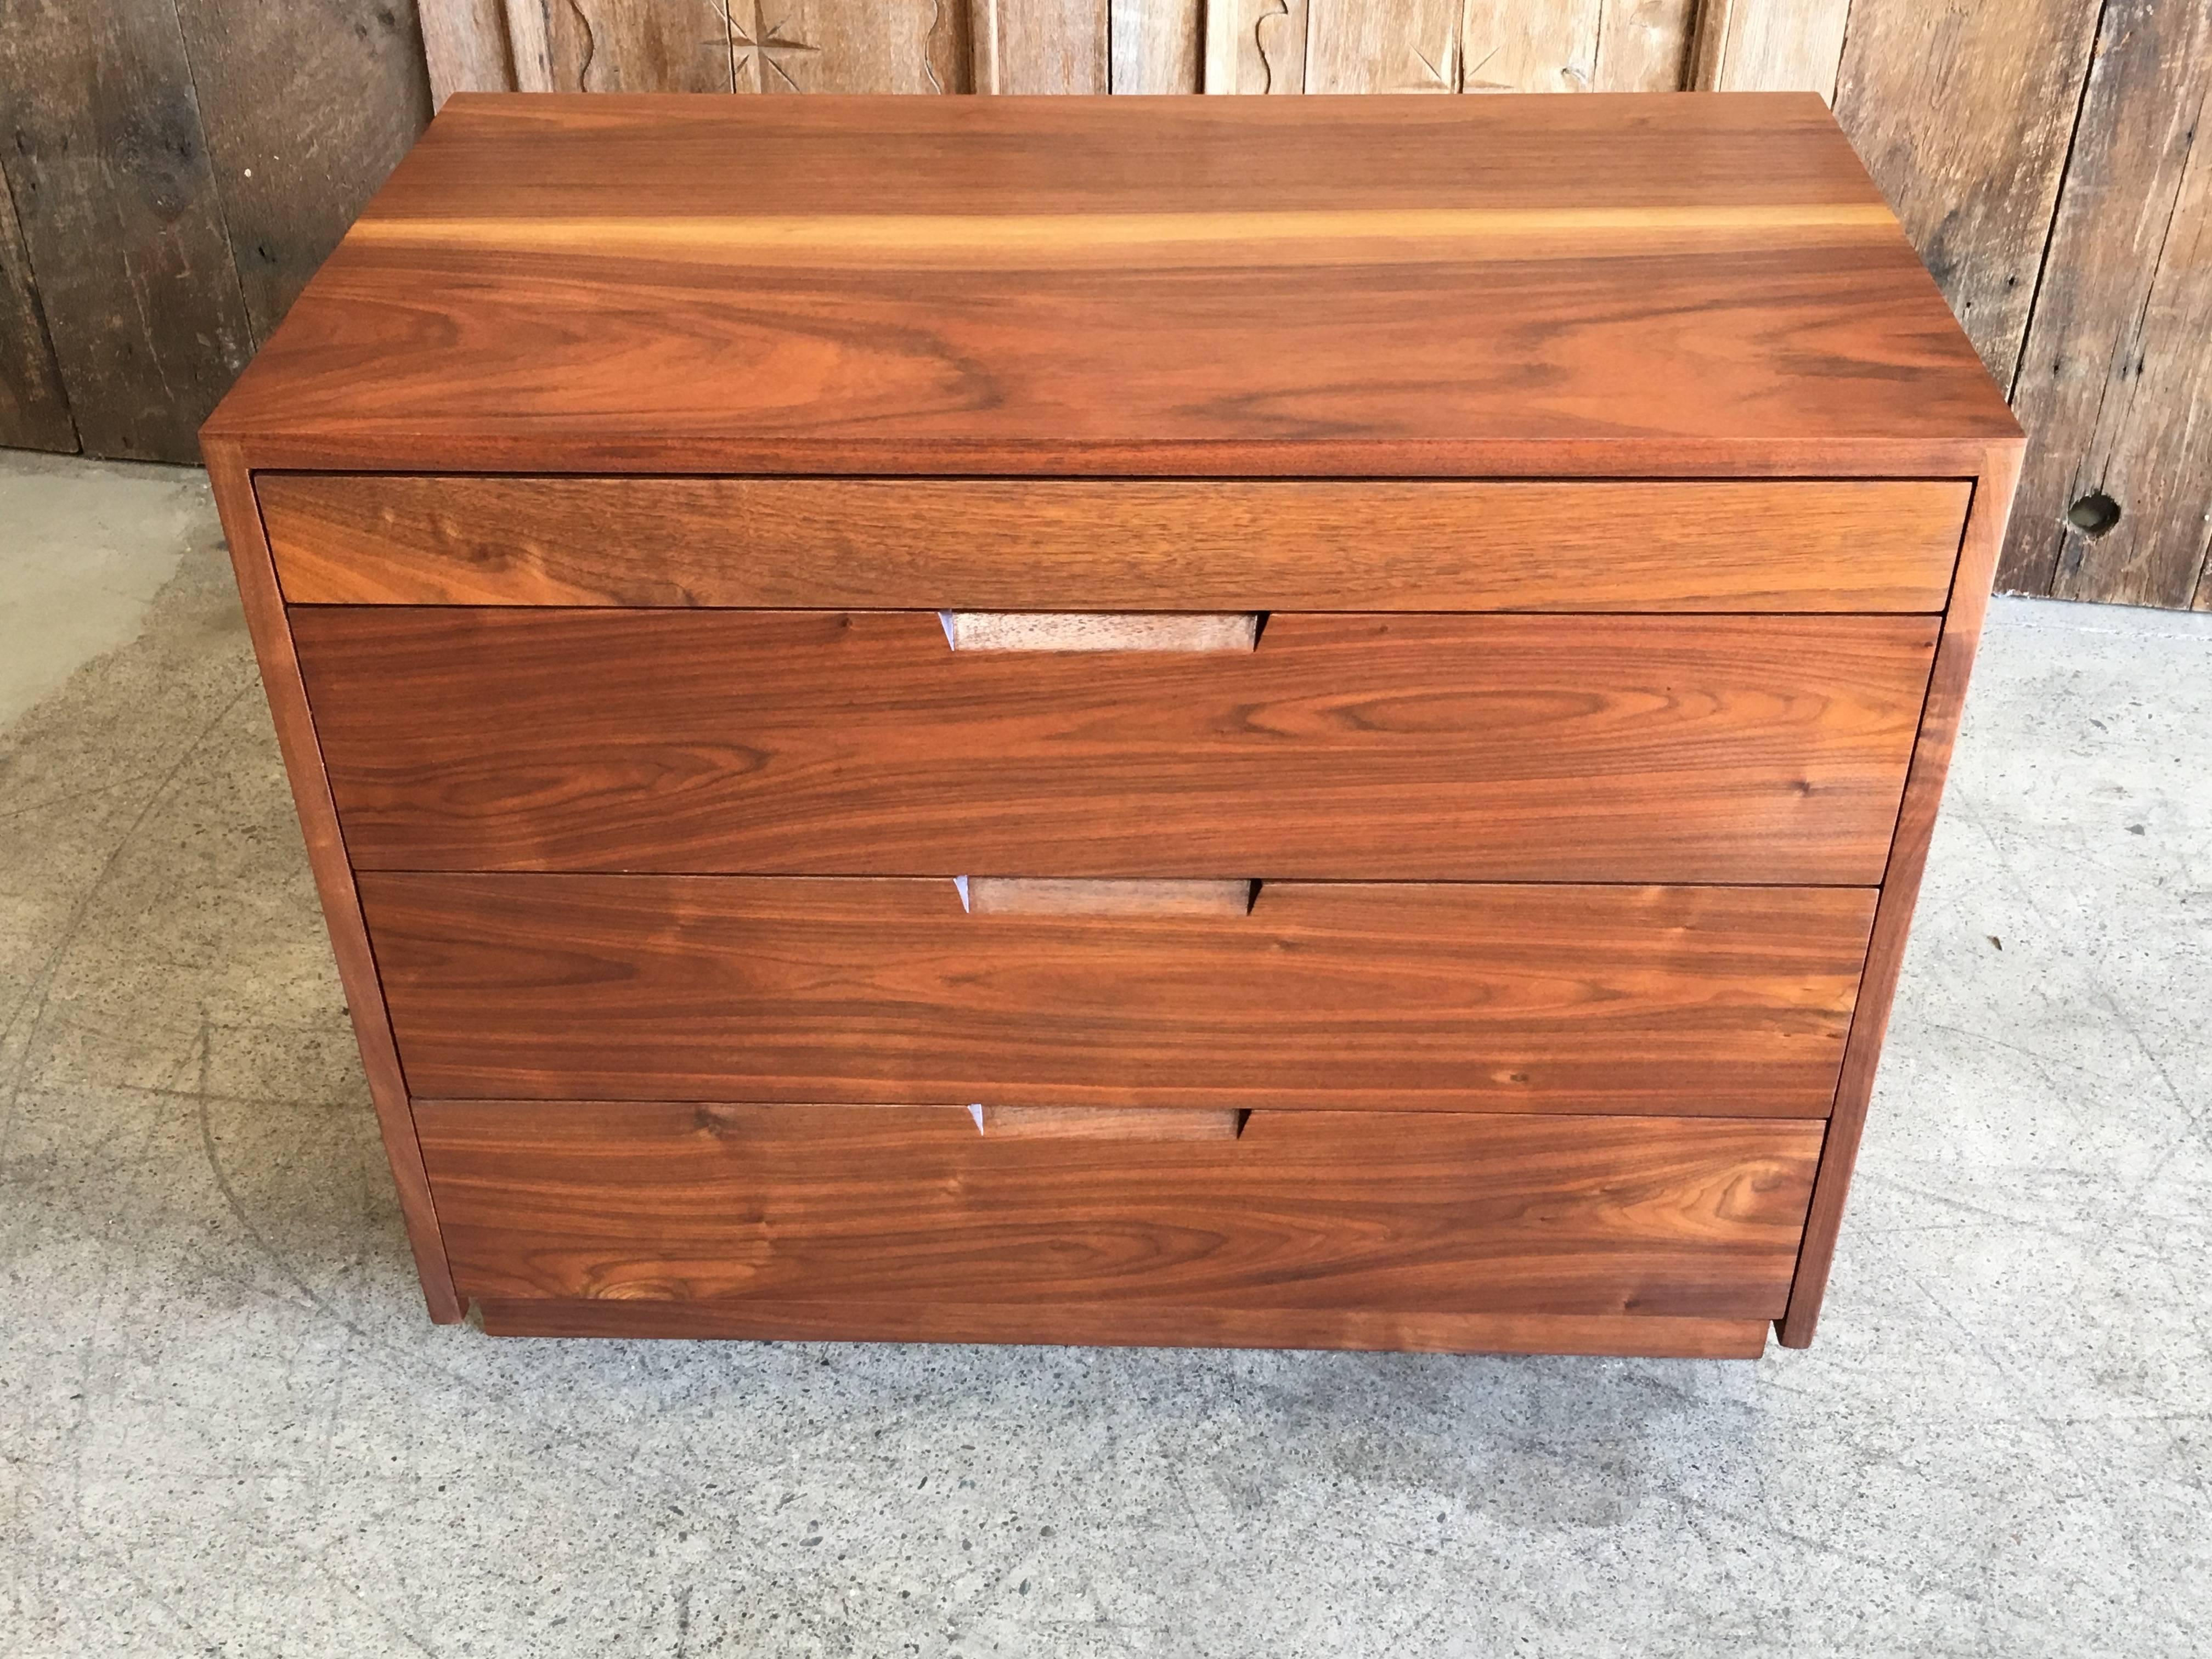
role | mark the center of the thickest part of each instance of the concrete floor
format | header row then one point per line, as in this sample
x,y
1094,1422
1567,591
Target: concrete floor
x,y
228,1428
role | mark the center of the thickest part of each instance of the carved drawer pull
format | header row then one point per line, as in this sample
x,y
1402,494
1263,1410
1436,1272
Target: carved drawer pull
x,y
1004,895
1100,630
1108,1122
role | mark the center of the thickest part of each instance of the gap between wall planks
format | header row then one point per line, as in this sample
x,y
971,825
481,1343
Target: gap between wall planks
x,y
2041,153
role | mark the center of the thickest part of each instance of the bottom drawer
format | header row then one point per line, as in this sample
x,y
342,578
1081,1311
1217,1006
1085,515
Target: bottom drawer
x,y
1307,1228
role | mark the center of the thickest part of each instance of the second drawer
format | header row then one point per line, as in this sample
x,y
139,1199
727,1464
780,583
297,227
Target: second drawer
x,y
1698,1000
1677,749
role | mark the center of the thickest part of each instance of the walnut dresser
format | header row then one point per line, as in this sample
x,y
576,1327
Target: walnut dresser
x,y
1289,722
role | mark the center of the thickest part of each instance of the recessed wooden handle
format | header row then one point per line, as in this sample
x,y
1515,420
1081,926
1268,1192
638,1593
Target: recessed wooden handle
x,y
1108,1122
1008,896
1100,630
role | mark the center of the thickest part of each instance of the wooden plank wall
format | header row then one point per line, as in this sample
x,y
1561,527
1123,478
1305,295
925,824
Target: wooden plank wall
x,y
2043,155
174,171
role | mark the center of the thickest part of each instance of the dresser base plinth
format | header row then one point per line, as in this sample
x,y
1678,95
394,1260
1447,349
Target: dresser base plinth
x,y
1628,1335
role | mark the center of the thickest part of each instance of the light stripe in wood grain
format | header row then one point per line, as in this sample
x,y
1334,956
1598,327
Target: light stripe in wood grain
x,y
1394,234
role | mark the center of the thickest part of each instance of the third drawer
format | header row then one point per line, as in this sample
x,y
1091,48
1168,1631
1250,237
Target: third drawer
x,y
1353,747
1415,997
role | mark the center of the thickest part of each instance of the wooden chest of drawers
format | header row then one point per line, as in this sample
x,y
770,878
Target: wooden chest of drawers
x,y
1193,721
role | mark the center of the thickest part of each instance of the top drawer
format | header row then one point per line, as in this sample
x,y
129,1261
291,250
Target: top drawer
x,y
1012,544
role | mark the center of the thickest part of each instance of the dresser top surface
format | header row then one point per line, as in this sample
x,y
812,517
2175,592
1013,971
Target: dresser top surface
x,y
1507,286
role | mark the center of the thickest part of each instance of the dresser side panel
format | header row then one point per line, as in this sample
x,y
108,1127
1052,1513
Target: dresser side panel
x,y
1901,888
233,482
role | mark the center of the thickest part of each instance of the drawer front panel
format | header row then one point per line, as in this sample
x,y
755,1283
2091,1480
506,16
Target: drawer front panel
x,y
1032,544
1437,1214
1673,1000
1352,747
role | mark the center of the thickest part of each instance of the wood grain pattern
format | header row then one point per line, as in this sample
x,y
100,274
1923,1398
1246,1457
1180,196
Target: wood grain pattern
x,y
1643,45
1047,544
1575,999
1613,283
1963,115
1707,748
119,211
1255,46
466,48
1449,1213
1900,888
1769,45
1411,45
641,45
1120,1325
1032,46
1154,45
334,880
1507,46
2117,376
33,408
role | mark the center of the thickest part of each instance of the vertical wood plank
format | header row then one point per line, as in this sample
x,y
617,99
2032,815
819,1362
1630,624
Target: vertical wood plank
x,y
1407,45
2115,383
1771,45
1515,47
306,108
649,46
120,217
529,45
465,48
1643,45
1963,116
1256,45
1153,45
1042,47
34,412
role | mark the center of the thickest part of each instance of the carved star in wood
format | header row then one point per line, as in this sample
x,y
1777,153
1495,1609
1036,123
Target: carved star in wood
x,y
757,49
